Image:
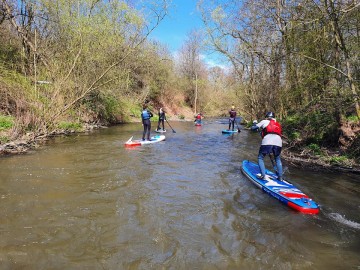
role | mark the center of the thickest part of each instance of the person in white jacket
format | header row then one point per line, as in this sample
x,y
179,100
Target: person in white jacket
x,y
271,143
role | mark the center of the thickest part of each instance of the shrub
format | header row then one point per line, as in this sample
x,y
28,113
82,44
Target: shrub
x,y
315,148
6,122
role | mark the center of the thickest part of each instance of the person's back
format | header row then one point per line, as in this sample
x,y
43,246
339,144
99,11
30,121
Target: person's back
x,y
271,142
232,118
145,116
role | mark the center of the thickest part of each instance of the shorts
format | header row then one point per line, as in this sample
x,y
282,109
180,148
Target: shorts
x,y
270,149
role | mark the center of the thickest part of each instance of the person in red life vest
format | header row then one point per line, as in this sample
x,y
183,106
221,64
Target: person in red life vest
x,y
198,118
271,143
145,117
232,118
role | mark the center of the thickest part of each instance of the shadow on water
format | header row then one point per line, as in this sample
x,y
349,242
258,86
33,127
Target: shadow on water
x,y
87,202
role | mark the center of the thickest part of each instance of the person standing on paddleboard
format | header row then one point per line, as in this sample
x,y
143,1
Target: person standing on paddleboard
x,y
232,118
162,118
271,143
145,116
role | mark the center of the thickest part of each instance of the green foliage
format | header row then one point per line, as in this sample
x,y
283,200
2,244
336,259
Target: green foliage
x,y
70,126
6,122
182,117
315,148
294,135
340,161
310,126
353,118
4,139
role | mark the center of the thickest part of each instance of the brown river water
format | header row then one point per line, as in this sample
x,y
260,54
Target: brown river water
x,y
87,202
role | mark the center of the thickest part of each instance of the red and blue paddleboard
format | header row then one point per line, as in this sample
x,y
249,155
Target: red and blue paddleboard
x,y
153,139
284,191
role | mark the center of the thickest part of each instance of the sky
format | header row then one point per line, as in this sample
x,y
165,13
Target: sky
x,y
183,17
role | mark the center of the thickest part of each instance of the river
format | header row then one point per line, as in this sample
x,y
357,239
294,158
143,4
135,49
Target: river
x,y
87,202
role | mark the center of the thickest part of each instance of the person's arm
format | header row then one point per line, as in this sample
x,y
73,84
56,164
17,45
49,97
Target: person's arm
x,y
255,126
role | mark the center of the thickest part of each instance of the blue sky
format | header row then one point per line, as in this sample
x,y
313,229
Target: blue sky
x,y
182,18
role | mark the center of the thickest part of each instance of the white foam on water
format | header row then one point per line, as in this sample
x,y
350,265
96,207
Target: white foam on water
x,y
341,219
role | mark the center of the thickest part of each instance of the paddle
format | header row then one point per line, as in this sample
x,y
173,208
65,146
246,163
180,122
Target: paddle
x,y
170,126
273,163
237,126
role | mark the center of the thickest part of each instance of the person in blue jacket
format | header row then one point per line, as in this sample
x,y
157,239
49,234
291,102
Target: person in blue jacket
x,y
145,117
271,143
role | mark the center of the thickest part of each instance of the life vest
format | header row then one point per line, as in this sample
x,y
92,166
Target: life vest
x,y
198,116
145,115
272,128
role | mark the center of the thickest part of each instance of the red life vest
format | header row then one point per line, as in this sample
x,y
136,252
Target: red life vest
x,y
198,116
272,128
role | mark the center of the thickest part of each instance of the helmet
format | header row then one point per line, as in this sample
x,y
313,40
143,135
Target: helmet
x,y
270,115
255,122
232,107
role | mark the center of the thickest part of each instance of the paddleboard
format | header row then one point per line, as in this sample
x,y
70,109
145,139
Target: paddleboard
x,y
160,131
197,124
227,131
284,191
154,139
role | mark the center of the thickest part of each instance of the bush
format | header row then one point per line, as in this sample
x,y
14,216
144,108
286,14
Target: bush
x,y
315,148
6,122
340,161
4,139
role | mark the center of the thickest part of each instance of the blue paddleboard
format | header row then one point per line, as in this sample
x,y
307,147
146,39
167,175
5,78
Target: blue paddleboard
x,y
284,191
227,131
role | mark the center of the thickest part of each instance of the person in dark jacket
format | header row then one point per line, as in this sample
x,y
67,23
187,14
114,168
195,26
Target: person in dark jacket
x,y
232,118
162,118
145,117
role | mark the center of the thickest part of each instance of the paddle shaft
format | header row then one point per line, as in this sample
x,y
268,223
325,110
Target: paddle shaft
x,y
237,125
170,126
273,163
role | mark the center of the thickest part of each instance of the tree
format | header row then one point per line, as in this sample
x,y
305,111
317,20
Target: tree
x,y
191,66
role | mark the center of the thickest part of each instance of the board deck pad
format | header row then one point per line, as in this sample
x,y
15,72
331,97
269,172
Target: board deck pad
x,y
284,191
154,139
